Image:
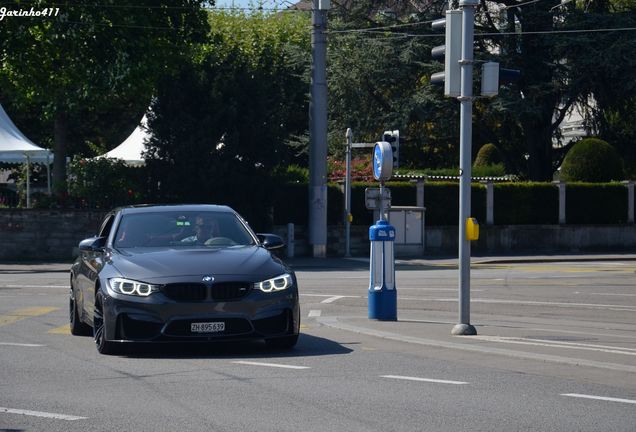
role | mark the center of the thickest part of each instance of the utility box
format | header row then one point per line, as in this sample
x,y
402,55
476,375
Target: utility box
x,y
409,229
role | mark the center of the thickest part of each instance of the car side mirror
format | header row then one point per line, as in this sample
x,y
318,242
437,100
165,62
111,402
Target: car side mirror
x,y
93,244
270,241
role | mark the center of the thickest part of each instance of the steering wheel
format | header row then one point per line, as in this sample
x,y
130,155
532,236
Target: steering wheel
x,y
220,241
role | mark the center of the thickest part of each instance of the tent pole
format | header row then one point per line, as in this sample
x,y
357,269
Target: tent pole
x,y
48,174
28,181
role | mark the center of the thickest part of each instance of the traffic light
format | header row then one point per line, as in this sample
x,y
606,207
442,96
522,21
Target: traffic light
x,y
450,52
492,76
393,138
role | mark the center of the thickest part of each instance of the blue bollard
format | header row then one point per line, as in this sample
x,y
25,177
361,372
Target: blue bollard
x,y
382,292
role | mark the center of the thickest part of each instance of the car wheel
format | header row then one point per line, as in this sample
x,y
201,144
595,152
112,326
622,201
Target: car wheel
x,y
286,342
78,328
103,346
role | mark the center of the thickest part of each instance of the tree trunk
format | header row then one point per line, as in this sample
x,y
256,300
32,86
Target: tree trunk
x,y
538,136
60,137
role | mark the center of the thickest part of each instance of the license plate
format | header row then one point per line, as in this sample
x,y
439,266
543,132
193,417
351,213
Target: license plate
x,y
207,327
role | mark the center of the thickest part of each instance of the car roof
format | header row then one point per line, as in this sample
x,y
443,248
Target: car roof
x,y
152,208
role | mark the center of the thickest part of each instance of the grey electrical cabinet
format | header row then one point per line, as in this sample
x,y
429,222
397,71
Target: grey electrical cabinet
x,y
409,229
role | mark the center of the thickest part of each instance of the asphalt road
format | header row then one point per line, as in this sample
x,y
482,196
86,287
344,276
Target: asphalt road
x,y
555,351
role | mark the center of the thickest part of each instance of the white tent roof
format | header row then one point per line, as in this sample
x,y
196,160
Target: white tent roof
x,y
14,146
130,150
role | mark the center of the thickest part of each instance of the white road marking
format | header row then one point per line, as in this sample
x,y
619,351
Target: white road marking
x,y
533,303
21,344
613,294
275,365
431,380
586,333
603,398
314,313
435,289
328,295
557,344
41,414
332,299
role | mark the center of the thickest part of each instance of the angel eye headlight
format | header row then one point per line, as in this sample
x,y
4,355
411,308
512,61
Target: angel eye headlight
x,y
278,283
131,287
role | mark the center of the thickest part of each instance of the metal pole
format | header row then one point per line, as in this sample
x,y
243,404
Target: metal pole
x,y
318,133
48,175
348,195
28,181
465,159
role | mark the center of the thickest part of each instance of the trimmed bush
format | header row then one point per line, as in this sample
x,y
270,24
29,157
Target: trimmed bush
x,y
592,160
488,155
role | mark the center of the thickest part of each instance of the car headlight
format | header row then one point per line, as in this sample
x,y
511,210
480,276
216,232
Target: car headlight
x,y
131,287
278,283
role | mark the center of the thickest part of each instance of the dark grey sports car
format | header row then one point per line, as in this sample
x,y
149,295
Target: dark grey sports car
x,y
181,273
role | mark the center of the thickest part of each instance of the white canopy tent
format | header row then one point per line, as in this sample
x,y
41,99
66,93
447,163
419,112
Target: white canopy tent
x,y
16,148
130,151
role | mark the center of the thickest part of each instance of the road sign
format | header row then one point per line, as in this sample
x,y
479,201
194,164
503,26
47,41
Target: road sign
x,y
382,161
372,198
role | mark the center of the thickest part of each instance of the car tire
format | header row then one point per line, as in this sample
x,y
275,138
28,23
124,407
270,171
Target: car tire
x,y
285,342
103,346
78,328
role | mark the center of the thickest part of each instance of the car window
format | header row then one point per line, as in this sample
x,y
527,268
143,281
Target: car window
x,y
107,225
178,229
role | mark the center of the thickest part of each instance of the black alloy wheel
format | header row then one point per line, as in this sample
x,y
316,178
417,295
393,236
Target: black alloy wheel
x,y
78,328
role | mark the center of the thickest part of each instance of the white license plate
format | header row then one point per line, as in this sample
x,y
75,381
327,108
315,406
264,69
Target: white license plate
x,y
207,327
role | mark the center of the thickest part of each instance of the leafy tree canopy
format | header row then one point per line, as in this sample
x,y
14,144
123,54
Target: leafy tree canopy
x,y
220,123
92,65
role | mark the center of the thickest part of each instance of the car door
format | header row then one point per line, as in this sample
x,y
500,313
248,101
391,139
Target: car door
x,y
91,263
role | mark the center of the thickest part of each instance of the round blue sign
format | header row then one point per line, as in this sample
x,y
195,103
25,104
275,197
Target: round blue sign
x,y
382,161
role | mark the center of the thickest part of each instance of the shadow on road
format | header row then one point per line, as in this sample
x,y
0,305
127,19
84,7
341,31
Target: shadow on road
x,y
308,345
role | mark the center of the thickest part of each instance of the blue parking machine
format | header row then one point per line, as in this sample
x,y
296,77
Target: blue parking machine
x,y
382,292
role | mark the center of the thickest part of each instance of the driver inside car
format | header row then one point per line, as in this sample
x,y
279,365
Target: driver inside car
x,y
204,230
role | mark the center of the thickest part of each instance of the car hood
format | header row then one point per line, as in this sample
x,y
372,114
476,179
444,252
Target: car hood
x,y
249,263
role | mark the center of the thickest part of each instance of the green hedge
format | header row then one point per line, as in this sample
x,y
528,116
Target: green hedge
x,y
514,203
594,203
526,203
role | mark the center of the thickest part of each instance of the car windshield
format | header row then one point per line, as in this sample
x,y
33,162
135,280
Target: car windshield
x,y
177,229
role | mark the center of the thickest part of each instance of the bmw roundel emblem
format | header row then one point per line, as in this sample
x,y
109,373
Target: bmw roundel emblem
x,y
208,279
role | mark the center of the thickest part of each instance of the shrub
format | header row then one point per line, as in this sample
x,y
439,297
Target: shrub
x,y
526,203
105,183
592,160
488,155
588,203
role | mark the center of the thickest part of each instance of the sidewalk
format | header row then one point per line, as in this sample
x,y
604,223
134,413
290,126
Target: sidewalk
x,y
358,263
333,263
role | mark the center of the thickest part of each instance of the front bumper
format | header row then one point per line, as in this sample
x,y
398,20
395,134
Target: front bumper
x,y
158,318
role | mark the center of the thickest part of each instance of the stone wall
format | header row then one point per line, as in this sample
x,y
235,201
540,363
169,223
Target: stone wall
x,y
44,234
53,235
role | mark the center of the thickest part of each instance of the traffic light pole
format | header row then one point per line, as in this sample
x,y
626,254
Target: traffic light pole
x,y
465,159
348,195
318,131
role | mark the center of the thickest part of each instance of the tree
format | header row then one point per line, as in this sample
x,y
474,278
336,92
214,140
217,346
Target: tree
x,y
220,123
559,71
90,61
379,80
